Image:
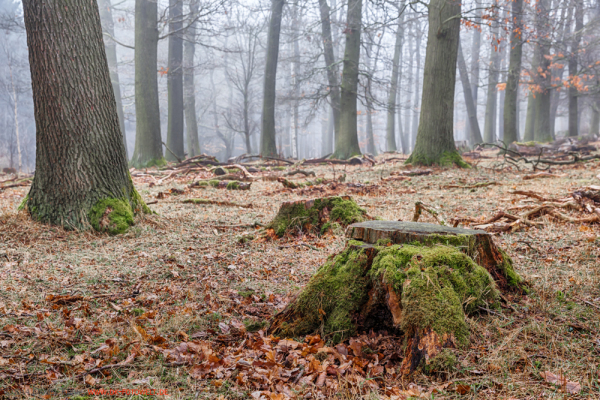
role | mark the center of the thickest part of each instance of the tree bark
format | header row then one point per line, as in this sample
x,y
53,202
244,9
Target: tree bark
x,y
417,88
471,108
511,127
435,138
81,165
390,133
559,68
475,56
330,63
15,99
175,126
189,86
268,146
346,142
573,70
542,75
529,119
406,137
148,142
111,55
295,81
489,128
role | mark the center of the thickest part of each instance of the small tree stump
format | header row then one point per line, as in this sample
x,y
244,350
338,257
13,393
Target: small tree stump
x,y
418,280
317,215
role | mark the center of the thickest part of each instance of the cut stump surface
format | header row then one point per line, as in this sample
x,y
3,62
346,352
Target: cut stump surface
x,y
417,280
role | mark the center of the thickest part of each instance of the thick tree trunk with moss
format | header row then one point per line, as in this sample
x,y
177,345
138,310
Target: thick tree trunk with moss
x,y
111,55
268,146
416,280
346,141
435,137
148,142
511,128
81,178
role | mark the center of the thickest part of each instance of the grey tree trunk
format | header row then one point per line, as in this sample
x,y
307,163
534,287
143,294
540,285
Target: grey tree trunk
x,y
295,80
175,139
528,135
474,132
417,88
148,142
268,145
573,69
511,127
559,68
82,176
489,128
543,75
502,94
110,46
435,138
475,56
390,132
346,142
595,120
189,86
332,68
406,137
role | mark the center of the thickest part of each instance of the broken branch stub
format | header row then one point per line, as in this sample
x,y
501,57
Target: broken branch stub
x,y
418,280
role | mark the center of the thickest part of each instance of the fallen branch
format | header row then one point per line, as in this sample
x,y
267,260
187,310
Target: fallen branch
x,y
475,186
420,207
300,171
542,175
216,202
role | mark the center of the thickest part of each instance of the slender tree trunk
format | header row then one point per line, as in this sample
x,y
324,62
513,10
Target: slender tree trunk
x,y
175,139
595,121
15,98
148,142
393,94
189,86
543,76
81,177
489,128
502,94
406,137
332,69
295,79
417,89
511,127
559,68
346,142
111,55
475,133
530,119
268,146
475,56
573,70
435,138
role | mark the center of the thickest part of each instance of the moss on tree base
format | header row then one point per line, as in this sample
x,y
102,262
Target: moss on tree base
x,y
446,159
421,289
316,216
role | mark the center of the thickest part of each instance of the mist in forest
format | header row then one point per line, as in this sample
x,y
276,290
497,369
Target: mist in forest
x,y
207,71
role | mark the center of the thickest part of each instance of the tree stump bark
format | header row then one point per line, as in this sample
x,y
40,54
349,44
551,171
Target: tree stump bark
x,y
414,279
317,215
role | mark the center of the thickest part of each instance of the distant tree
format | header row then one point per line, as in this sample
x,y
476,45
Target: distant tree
x,y
189,84
175,125
474,132
390,133
81,176
435,138
148,142
346,142
573,69
514,73
268,146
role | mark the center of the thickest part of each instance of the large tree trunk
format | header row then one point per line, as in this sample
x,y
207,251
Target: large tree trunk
x,y
390,132
346,142
558,68
189,86
81,177
489,128
111,55
175,138
573,70
148,142
542,75
268,146
435,138
471,107
511,127
332,69
410,279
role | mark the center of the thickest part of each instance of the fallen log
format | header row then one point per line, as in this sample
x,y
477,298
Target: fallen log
x,y
412,279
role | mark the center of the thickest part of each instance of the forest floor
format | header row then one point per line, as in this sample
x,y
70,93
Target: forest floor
x,y
175,307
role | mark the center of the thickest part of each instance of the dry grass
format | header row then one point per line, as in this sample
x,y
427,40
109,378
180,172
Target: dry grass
x,y
182,271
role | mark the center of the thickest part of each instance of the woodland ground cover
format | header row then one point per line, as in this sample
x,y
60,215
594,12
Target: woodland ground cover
x,y
178,304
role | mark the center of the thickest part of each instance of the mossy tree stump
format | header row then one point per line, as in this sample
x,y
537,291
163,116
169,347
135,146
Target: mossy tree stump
x,y
418,280
317,215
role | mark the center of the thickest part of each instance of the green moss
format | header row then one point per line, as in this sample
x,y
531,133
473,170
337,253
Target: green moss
x,y
114,216
253,326
325,228
23,203
508,271
446,159
213,183
278,168
445,361
437,284
233,185
341,210
157,162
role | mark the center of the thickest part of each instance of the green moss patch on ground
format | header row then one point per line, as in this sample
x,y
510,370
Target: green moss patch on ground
x,y
114,216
